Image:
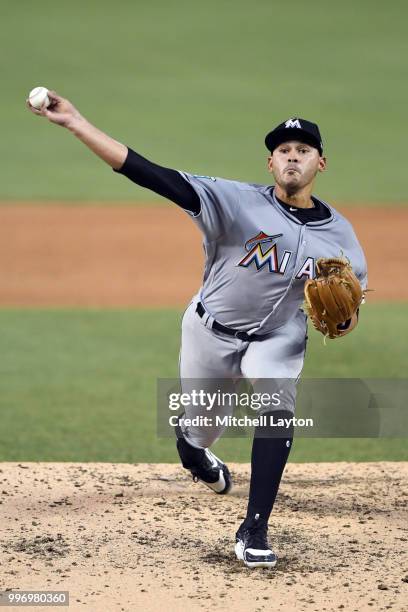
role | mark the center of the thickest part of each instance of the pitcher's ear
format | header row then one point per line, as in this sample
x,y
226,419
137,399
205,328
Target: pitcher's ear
x,y
322,164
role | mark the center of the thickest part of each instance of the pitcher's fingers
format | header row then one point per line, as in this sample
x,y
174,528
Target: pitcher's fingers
x,y
32,109
43,109
54,96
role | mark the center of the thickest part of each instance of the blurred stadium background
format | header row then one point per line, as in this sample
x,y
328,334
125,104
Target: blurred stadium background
x,y
194,86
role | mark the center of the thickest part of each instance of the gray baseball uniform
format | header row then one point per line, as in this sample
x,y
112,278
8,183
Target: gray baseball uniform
x,y
258,257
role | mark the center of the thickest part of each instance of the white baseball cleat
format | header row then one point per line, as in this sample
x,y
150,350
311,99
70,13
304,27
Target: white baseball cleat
x,y
252,544
213,473
205,467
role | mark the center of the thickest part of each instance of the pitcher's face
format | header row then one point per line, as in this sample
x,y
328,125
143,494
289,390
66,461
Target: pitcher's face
x,y
294,165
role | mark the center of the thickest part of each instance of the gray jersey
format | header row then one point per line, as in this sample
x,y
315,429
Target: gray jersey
x,y
258,255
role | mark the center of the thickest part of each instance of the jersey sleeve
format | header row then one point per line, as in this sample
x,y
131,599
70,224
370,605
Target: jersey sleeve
x,y
360,269
219,200
363,278
353,250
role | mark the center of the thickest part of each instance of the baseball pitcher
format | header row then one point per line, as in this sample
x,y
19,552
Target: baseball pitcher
x,y
269,248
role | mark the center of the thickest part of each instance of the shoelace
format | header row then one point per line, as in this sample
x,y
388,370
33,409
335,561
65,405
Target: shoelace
x,y
205,465
257,536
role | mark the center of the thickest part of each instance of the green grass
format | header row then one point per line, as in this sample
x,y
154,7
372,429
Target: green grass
x,y
197,85
81,385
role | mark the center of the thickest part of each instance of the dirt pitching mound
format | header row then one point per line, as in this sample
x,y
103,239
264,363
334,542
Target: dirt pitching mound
x,y
144,537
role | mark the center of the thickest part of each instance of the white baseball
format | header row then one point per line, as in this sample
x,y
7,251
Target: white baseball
x,y
38,96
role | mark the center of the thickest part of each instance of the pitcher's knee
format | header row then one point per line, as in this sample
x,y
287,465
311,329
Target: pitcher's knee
x,y
201,437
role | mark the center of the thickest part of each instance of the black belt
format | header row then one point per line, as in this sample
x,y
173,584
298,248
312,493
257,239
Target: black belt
x,y
241,335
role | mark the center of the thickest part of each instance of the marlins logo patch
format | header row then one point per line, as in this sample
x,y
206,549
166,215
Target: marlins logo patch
x,y
262,251
260,238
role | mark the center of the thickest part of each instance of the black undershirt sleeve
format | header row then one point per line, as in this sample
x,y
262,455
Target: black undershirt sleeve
x,y
164,181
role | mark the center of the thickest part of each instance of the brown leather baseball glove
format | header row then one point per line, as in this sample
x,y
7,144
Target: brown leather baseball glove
x,y
333,297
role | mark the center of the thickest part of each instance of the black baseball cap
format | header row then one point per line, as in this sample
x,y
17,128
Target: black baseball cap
x,y
295,129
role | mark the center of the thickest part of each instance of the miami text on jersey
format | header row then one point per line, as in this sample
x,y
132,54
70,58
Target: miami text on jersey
x,y
267,256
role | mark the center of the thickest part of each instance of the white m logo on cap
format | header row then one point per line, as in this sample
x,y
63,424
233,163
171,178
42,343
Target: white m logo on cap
x,y
293,123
